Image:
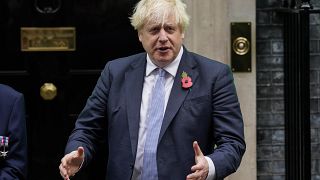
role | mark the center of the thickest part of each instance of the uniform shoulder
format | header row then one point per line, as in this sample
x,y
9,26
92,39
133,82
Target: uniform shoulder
x,y
8,92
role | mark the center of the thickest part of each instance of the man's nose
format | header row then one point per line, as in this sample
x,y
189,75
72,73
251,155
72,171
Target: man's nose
x,y
163,35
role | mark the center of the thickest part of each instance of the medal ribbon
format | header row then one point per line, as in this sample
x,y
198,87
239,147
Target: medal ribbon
x,y
3,145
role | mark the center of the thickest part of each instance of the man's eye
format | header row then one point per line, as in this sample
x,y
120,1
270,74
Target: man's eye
x,y
154,30
170,29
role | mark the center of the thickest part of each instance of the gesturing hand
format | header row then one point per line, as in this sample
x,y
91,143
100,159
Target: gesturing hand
x,y
71,163
201,168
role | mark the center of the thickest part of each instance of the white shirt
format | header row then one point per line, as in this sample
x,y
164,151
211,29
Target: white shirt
x,y
149,82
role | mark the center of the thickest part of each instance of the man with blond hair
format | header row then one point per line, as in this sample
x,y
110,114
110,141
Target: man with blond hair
x,y
168,113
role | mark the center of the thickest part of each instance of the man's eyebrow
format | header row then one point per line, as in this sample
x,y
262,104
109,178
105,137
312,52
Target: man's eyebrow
x,y
169,24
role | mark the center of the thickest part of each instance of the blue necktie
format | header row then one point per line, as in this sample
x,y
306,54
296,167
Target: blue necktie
x,y
154,122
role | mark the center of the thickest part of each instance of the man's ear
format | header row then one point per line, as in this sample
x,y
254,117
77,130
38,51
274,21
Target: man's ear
x,y
140,36
182,35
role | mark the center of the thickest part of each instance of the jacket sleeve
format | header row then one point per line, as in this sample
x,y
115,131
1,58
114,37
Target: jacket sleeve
x,y
228,126
90,127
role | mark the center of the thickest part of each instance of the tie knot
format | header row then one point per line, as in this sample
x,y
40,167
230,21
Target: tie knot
x,y
161,72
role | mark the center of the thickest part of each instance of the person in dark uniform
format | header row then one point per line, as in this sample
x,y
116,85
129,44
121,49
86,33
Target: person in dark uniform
x,y
13,135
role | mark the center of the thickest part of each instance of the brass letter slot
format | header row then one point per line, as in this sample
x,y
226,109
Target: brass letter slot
x,y
48,39
241,47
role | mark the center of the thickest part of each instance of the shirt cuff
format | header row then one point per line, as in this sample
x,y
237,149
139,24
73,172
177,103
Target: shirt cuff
x,y
212,169
81,165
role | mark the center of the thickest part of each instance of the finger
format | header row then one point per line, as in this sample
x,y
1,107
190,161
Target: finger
x,y
195,175
191,178
64,162
196,148
71,172
80,151
197,167
67,166
63,172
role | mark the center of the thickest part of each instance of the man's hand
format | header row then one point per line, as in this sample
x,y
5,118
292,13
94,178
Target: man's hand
x,y
71,163
201,168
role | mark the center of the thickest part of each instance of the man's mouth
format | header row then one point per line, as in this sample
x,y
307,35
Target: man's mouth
x,y
163,49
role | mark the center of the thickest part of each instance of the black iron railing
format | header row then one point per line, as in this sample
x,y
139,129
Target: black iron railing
x,y
297,98
296,14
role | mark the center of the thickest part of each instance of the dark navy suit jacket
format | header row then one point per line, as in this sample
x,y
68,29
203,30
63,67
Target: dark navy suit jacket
x,y
208,112
13,125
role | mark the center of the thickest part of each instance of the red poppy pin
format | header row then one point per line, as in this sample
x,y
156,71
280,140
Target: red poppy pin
x,y
186,80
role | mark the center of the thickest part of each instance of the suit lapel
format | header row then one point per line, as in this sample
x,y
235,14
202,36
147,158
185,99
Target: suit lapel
x,y
178,94
134,79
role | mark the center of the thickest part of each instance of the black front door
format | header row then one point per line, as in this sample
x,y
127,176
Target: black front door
x,y
102,33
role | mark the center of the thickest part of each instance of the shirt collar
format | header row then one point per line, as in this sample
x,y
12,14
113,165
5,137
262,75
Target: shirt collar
x,y
171,68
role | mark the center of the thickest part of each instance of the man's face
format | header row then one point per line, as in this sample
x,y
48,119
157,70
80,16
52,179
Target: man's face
x,y
162,41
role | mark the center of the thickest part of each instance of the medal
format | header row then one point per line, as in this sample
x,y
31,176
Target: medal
x,y
4,144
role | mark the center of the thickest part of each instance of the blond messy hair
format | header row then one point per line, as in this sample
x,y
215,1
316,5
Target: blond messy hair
x,y
157,10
